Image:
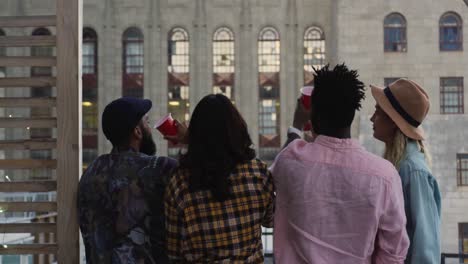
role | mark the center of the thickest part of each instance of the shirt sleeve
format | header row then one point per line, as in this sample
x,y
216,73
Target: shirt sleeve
x,y
174,224
392,240
269,191
84,223
424,218
153,181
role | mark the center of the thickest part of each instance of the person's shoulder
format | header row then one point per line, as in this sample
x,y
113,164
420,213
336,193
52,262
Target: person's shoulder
x,y
157,169
96,165
178,182
291,150
379,166
162,162
412,166
255,165
180,176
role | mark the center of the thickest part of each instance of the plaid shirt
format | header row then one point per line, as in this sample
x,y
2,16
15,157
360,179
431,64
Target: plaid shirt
x,y
120,205
202,230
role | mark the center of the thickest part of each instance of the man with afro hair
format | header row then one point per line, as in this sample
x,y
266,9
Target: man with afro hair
x,y
336,202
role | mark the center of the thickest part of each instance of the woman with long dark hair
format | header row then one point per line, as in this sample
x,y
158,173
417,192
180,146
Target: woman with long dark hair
x,y
218,199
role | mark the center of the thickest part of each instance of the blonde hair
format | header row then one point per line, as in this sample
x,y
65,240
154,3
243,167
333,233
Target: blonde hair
x,y
395,150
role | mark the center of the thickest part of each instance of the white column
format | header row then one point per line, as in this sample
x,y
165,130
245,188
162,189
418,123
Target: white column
x,y
110,69
248,71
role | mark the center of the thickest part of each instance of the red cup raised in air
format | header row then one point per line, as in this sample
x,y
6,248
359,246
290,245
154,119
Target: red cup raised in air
x,y
167,126
306,92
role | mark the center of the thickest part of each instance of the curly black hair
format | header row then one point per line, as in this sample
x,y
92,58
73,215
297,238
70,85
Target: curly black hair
x,y
337,96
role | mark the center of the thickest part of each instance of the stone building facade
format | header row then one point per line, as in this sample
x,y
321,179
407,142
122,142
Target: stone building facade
x,y
170,52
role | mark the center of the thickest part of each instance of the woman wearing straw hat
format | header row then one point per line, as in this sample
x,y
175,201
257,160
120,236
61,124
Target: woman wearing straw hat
x,y
400,110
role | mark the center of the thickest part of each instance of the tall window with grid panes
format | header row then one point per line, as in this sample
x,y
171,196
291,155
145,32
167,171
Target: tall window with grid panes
x,y
451,95
133,63
463,240
223,62
395,33
451,32
90,95
178,79
314,53
269,93
462,169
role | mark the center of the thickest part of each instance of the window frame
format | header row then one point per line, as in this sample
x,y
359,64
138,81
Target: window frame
x,y
403,28
322,43
269,86
178,79
133,82
93,40
460,96
459,26
224,76
462,158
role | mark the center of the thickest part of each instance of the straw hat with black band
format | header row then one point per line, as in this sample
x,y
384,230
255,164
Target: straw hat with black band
x,y
406,103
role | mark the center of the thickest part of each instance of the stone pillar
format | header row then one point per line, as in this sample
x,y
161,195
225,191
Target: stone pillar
x,y
110,68
247,71
289,82
199,50
156,75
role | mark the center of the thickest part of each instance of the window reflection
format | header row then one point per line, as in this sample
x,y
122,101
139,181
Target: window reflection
x,y
314,53
133,63
178,78
223,62
90,96
451,32
395,33
269,87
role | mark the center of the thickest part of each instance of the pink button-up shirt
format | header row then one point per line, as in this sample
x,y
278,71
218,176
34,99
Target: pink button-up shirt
x,y
337,203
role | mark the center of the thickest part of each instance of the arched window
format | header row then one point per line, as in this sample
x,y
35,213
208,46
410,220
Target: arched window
x,y
89,51
450,32
395,33
133,66
269,92
37,112
223,62
178,71
90,95
314,53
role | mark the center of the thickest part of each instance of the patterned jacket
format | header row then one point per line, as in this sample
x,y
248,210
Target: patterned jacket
x,y
121,210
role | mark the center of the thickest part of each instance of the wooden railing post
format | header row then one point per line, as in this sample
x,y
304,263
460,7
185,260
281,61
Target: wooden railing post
x,y
69,31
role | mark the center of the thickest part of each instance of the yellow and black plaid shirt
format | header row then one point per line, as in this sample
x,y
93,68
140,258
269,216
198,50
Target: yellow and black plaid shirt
x,y
203,230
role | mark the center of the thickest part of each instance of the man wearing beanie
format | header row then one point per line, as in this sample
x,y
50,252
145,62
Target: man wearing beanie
x,y
120,195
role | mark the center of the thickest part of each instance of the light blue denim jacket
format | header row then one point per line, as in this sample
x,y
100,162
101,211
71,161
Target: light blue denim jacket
x,y
422,207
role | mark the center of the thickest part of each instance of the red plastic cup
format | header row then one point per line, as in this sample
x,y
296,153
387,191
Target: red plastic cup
x,y
306,92
167,126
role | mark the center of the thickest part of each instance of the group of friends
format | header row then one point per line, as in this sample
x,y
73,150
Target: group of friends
x,y
329,200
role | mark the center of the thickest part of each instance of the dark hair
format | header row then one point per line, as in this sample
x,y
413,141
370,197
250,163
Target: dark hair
x,y
336,97
218,140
